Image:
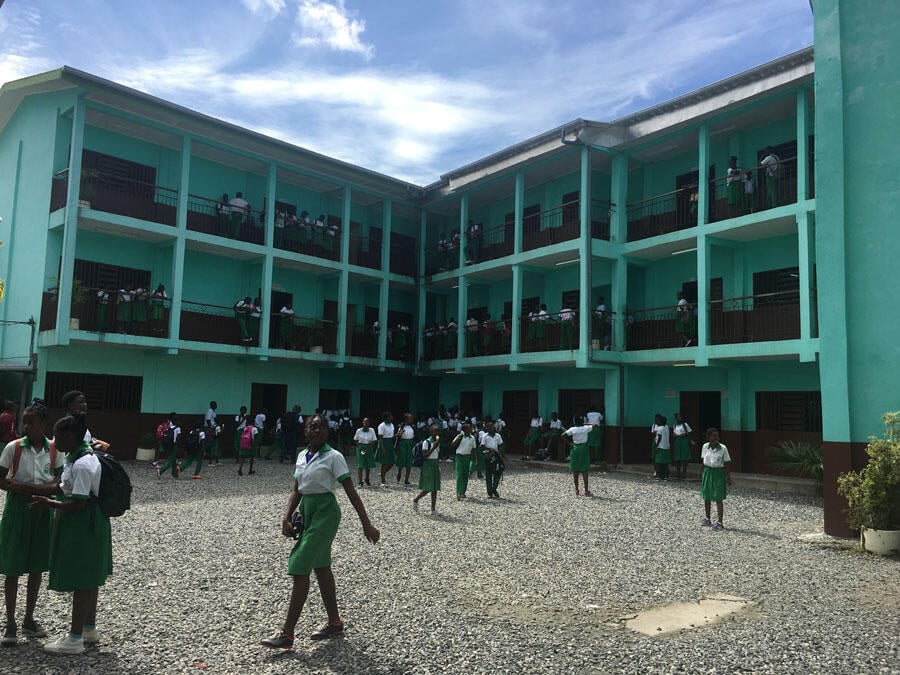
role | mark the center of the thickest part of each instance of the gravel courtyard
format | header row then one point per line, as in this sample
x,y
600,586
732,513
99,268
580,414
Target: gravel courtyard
x,y
537,582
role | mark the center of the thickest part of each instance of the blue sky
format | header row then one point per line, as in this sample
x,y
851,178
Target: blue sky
x,y
412,88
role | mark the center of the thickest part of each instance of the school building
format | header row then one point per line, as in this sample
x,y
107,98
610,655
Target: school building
x,y
786,332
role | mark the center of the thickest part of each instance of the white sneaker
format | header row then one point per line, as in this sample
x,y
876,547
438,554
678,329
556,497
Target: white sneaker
x,y
91,637
65,645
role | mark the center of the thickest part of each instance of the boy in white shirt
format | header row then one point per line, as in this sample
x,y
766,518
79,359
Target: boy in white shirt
x,y
464,444
662,455
493,460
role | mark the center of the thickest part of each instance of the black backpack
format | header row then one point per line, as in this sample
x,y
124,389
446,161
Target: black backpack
x,y
418,453
115,486
192,444
168,439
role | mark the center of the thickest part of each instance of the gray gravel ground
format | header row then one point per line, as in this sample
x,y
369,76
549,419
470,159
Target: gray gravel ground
x,y
538,582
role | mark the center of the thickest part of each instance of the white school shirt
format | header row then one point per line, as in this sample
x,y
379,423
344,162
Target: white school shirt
x,y
322,473
466,445
566,314
594,417
472,325
537,422
175,433
386,430
683,429
579,434
239,203
365,436
600,311
210,418
286,311
34,465
663,431
260,421
492,442
240,421
714,458
407,432
771,163
481,434
500,425
430,448
556,424
82,477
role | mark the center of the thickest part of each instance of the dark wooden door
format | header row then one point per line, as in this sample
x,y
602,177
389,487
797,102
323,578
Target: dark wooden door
x,y
701,410
518,407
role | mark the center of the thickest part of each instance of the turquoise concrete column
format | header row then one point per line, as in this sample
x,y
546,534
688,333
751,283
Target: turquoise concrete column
x,y
177,290
344,281
704,251
618,302
516,318
802,146
587,259
420,288
618,220
265,323
804,260
462,303
384,298
271,191
703,175
520,211
70,228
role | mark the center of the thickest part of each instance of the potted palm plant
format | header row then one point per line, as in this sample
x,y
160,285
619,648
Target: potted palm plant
x,y
873,494
146,450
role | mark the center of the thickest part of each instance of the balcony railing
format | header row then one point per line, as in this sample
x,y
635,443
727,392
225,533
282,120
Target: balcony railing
x,y
659,328
110,312
400,345
49,303
442,256
487,338
439,343
602,334
549,332
403,260
362,341
600,217
492,243
755,318
115,194
552,226
215,217
365,252
204,322
755,191
668,212
300,333
308,238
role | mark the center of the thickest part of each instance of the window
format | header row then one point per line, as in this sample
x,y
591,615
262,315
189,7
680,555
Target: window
x,y
103,392
571,299
777,286
789,411
109,277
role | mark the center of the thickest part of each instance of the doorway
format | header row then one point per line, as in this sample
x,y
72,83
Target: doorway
x,y
518,407
572,402
278,300
470,402
701,410
271,397
373,404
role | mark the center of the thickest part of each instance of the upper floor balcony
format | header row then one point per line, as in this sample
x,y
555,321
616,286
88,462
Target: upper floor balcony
x,y
110,193
222,219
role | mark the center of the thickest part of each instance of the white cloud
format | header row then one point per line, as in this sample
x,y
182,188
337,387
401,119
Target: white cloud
x,y
19,28
270,7
321,23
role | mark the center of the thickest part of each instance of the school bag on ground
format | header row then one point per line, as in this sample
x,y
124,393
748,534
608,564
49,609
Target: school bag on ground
x,y
418,453
247,438
115,486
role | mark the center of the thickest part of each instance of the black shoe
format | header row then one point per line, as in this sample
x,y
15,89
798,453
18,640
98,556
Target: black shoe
x,y
328,631
367,482
407,483
33,629
240,472
280,641
251,472
10,638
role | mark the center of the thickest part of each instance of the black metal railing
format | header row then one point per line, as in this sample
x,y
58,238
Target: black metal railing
x,y
212,216
362,341
487,338
602,330
754,190
755,318
205,322
135,312
660,214
660,328
601,212
439,342
301,333
549,332
401,345
110,193
552,226
404,260
365,251
442,256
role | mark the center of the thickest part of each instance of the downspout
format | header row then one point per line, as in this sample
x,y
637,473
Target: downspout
x,y
590,352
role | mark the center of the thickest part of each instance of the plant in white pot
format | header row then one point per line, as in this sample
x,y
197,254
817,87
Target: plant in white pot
x,y
146,450
873,494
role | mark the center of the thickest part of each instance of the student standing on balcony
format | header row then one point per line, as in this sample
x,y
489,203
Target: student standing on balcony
x,y
734,187
139,311
405,443
715,475
286,326
241,311
566,328
473,242
683,443
386,445
683,319
239,208
158,309
253,320
223,211
540,325
749,187
601,323
28,466
102,307
579,455
123,310
772,163
472,346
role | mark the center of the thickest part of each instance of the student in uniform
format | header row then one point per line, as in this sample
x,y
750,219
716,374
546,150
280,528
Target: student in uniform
x,y
554,437
579,454
170,447
24,532
242,309
249,446
464,444
430,476
158,309
193,445
366,440
123,310
594,417
212,449
386,445
81,547
682,449
102,307
662,455
317,473
75,403
715,475
405,444
492,444
240,421
534,433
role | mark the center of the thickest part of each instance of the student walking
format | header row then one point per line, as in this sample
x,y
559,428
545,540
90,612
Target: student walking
x,y
366,441
194,441
317,473
240,422
662,455
170,447
81,548
579,454
405,444
493,460
430,476
386,445
29,465
682,449
248,447
535,428
715,475
464,444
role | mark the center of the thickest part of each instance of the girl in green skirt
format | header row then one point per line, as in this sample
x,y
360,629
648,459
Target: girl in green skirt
x,y
318,471
534,433
430,476
81,548
365,439
579,455
715,476
28,466
464,444
405,443
682,446
386,445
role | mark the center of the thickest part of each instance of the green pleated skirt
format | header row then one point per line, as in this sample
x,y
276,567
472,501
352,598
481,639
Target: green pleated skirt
x,y
81,550
387,452
24,537
323,516
365,456
682,449
430,476
405,451
580,458
713,484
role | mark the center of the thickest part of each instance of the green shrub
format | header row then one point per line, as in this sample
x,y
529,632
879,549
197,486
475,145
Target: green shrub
x,y
148,441
873,494
801,458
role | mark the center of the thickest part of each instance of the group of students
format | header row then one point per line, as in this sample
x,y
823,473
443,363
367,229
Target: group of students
x,y
74,542
544,440
138,310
